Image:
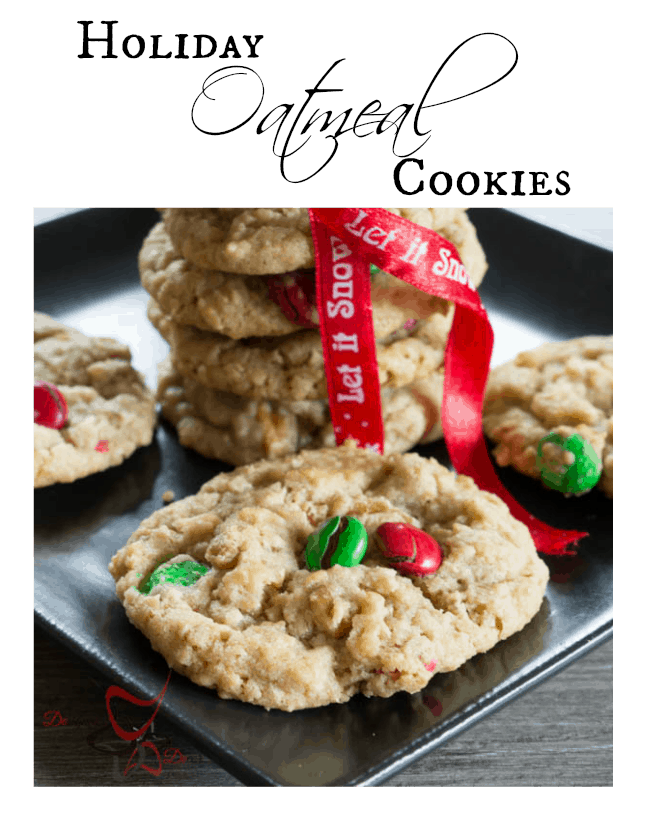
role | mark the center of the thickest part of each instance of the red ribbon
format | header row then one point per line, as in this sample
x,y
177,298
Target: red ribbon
x,y
349,353
346,241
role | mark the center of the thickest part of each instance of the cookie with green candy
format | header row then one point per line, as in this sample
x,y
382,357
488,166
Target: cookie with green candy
x,y
568,464
264,628
184,573
550,413
338,541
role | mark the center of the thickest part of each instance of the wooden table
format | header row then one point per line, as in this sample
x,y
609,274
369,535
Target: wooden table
x,y
559,734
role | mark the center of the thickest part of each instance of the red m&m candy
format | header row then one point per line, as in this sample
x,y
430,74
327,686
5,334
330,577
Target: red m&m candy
x,y
295,293
409,550
50,407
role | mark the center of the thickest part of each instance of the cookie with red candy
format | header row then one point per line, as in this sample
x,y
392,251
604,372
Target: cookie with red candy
x,y
91,407
295,293
295,611
239,306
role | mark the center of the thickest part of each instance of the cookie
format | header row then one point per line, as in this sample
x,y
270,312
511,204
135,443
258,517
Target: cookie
x,y
564,388
291,367
240,306
259,627
110,412
257,241
239,430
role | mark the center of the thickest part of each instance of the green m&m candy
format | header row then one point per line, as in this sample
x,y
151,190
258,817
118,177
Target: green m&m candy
x,y
568,464
339,541
179,573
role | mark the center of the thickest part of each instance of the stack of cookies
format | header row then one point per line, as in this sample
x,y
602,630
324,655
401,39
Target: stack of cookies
x,y
233,293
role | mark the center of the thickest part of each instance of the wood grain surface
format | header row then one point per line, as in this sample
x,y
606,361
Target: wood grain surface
x,y
559,734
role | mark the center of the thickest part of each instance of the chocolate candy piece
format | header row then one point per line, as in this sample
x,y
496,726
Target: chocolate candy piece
x,y
339,541
295,293
179,573
409,550
568,464
50,407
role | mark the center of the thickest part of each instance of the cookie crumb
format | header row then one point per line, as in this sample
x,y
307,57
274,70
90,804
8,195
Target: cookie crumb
x,y
168,496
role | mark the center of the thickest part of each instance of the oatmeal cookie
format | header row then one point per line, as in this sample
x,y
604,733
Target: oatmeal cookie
x,y
291,367
560,387
239,430
110,411
239,306
278,240
253,623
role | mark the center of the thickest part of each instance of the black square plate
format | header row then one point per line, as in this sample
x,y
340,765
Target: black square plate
x,y
542,285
